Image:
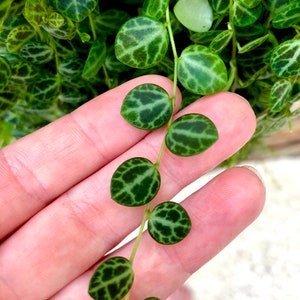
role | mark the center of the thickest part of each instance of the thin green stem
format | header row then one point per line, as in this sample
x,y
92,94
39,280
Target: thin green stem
x,y
234,77
92,24
175,79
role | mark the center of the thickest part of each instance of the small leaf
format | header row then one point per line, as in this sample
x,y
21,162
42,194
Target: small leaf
x,y
43,91
95,59
71,67
253,44
135,182
221,7
35,12
287,16
55,20
19,36
201,71
23,73
5,72
249,3
37,52
280,94
155,8
169,223
221,41
204,37
110,21
244,16
65,32
141,42
188,12
285,59
147,106
191,134
76,10
112,280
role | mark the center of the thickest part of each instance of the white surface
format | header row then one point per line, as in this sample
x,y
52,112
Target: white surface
x,y
262,263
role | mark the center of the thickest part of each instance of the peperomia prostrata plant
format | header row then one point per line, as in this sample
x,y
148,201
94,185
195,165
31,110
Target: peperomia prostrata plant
x,y
57,54
148,106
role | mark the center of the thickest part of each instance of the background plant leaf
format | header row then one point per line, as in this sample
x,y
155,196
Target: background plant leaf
x,y
112,280
37,52
201,71
285,59
5,72
191,134
142,42
280,94
76,10
287,16
147,106
155,8
188,12
135,182
244,16
169,223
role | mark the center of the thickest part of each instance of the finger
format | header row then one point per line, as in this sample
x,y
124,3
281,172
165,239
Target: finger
x,y
83,224
41,166
219,212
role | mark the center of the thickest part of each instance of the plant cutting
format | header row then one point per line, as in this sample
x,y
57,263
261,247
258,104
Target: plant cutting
x,y
56,55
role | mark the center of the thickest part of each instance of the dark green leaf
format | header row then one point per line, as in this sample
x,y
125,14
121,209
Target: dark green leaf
x,y
204,37
112,280
191,134
19,36
188,12
280,94
95,59
5,72
201,71
43,91
37,52
109,21
55,20
23,72
76,10
71,67
141,42
249,3
287,16
155,8
4,10
135,182
147,106
169,223
244,16
221,7
285,59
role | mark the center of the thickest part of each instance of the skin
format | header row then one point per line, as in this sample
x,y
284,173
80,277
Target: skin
x,y
57,220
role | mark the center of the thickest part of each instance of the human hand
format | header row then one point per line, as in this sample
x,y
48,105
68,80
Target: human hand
x,y
57,220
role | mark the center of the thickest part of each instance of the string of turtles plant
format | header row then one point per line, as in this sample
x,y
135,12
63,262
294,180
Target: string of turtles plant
x,y
148,106
57,54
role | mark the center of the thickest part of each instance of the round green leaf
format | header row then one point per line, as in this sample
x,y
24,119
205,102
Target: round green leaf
x,y
280,94
135,182
188,12
23,72
221,7
287,16
285,59
191,134
76,10
201,71
112,280
37,53
19,36
155,8
147,106
141,42
169,223
5,72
